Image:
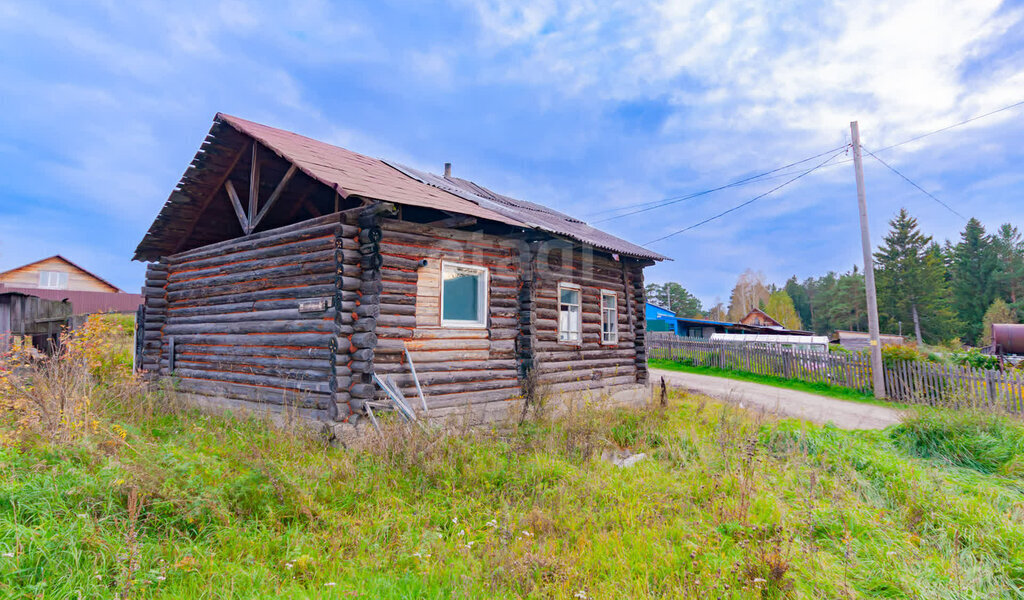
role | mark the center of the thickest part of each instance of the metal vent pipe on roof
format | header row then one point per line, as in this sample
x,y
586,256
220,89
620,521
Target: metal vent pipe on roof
x,y
447,170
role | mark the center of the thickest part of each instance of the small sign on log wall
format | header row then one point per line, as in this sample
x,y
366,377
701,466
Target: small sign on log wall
x,y
317,305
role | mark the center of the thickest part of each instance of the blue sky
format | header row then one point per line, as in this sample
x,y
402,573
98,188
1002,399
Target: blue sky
x,y
582,106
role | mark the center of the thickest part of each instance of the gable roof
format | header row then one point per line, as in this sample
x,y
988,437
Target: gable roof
x,y
755,312
68,262
353,174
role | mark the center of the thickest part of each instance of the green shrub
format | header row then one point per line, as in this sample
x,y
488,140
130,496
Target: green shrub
x,y
983,442
974,358
897,354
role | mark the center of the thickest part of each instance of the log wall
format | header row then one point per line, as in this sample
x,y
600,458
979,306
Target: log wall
x,y
587,364
302,316
455,366
264,318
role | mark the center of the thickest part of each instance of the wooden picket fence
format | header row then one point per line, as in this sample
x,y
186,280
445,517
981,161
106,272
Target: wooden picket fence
x,y
907,382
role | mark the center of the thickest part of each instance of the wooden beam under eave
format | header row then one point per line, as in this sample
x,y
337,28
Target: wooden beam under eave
x,y
235,202
209,200
273,197
254,188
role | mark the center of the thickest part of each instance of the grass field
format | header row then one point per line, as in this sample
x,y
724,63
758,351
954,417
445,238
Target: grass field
x,y
822,389
148,500
185,505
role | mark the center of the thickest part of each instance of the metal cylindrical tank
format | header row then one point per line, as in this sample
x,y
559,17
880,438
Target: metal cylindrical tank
x,y
1008,338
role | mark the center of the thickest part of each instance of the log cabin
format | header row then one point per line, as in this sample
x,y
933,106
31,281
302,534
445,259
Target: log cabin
x,y
284,272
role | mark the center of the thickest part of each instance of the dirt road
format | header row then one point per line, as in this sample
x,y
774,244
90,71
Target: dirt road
x,y
782,401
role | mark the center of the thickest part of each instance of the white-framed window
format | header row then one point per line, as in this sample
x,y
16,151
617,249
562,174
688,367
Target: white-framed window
x,y
570,313
53,280
609,318
463,295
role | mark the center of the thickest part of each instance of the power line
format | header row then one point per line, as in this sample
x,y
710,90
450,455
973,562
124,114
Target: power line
x,y
907,179
748,202
648,206
668,201
948,127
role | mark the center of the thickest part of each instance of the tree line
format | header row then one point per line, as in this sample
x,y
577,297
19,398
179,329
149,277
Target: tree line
x,y
934,293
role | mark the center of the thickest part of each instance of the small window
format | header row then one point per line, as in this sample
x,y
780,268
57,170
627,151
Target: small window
x,y
53,280
463,295
609,318
569,313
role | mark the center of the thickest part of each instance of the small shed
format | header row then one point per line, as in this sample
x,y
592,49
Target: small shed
x,y
33,318
286,273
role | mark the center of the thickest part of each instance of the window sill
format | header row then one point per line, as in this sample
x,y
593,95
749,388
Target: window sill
x,y
462,325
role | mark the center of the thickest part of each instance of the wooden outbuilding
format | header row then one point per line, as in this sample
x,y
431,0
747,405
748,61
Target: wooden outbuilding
x,y
285,272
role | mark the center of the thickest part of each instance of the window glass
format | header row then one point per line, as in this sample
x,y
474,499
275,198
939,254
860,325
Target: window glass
x,y
569,316
54,280
463,295
609,319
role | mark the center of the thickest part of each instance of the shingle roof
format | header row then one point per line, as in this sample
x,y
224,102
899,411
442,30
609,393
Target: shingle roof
x,y
350,173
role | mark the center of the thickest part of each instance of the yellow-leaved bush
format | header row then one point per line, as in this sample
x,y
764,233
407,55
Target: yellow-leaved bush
x,y
54,395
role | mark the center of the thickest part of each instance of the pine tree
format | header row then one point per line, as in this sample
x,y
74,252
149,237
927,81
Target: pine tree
x,y
911,282
1009,248
780,307
674,297
801,300
974,268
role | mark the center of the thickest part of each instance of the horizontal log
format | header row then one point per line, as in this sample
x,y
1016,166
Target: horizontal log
x,y
182,365
390,365
362,390
402,299
396,320
554,366
489,244
259,394
292,290
329,224
324,252
283,314
390,338
322,243
252,307
272,352
319,386
597,376
448,344
431,379
437,401
228,293
255,327
568,353
484,385
235,361
467,255
278,339
577,386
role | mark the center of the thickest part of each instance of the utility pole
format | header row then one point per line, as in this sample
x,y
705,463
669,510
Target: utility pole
x,y
878,378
